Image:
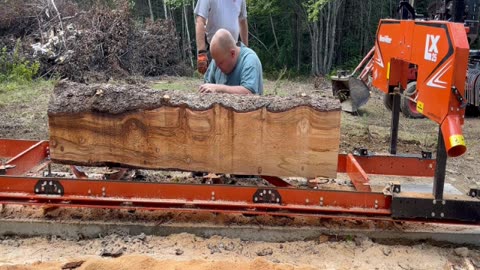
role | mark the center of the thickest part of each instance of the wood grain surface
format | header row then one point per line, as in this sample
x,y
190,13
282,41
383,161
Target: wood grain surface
x,y
300,142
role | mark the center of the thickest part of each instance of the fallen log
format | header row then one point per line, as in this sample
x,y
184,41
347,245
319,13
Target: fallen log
x,y
134,126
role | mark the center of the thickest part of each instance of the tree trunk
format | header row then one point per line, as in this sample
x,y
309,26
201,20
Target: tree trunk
x,y
165,11
315,50
362,23
61,22
273,32
320,42
189,44
328,29
366,41
340,29
194,18
335,10
151,10
183,36
323,35
298,42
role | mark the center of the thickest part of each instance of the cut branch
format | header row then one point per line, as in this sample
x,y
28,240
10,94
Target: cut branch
x,y
61,23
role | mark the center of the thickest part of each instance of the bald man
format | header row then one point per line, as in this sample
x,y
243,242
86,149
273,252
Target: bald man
x,y
212,15
234,69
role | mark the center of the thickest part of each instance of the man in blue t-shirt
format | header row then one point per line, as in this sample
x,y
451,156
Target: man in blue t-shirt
x,y
234,69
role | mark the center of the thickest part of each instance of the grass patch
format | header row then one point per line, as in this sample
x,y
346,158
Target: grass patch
x,y
274,91
23,92
280,87
180,84
171,86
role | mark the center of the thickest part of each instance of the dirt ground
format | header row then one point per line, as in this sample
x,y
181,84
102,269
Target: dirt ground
x,y
186,251
27,119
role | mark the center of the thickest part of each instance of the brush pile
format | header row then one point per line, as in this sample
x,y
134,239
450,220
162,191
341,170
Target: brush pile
x,y
89,45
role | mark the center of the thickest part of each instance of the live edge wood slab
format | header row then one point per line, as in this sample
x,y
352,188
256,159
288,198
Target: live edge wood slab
x,y
134,126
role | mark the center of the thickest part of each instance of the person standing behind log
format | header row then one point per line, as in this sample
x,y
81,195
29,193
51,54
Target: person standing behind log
x,y
212,15
234,69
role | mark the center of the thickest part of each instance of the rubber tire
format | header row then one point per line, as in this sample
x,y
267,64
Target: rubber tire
x,y
472,111
407,106
388,101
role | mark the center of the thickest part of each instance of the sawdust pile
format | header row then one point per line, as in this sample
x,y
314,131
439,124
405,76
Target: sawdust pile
x,y
142,262
186,251
145,262
89,45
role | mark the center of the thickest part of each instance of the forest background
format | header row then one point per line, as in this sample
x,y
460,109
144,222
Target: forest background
x,y
299,36
292,37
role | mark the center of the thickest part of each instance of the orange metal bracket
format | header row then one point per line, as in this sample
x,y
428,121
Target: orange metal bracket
x,y
30,154
276,181
357,174
391,165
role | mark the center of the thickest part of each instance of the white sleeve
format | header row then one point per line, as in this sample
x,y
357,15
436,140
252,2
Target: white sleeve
x,y
202,8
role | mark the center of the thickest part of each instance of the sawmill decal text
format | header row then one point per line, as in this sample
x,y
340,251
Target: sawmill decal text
x,y
431,49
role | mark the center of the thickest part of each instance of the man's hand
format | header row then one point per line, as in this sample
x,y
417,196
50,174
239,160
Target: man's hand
x,y
221,88
202,62
210,88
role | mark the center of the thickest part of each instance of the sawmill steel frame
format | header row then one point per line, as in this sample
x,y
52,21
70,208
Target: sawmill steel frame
x,y
18,185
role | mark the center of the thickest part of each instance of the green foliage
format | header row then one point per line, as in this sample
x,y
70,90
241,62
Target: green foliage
x,y
349,238
277,82
273,36
14,68
175,4
314,7
348,65
263,7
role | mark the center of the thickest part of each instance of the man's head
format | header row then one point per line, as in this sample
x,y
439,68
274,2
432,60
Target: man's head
x,y
224,51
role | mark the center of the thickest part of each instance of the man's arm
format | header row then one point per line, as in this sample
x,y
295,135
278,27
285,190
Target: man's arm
x,y
200,33
221,88
251,75
209,76
242,21
243,30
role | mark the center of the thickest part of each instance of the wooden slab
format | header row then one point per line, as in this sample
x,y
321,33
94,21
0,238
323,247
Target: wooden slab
x,y
138,127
